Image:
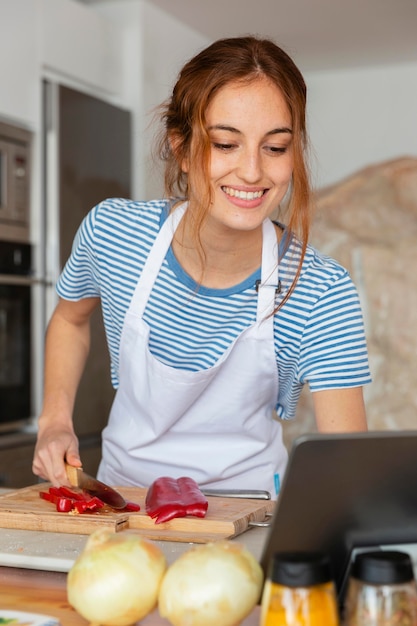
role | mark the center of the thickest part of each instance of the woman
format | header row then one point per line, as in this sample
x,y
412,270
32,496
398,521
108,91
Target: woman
x,y
215,315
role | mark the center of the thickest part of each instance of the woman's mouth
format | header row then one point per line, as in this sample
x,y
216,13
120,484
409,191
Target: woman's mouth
x,y
244,195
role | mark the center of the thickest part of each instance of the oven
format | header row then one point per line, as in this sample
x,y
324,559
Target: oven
x,y
15,335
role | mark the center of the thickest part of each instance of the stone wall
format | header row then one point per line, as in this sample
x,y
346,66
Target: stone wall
x,y
368,222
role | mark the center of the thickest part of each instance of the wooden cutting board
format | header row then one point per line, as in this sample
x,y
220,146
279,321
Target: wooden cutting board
x,y
226,517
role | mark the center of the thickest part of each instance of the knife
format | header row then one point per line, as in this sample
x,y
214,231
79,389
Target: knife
x,y
257,494
78,478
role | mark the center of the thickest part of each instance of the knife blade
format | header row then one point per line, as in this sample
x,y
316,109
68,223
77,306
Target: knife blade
x,y
78,478
256,494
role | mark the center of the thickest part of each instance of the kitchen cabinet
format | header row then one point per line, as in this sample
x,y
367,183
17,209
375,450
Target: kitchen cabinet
x,y
16,454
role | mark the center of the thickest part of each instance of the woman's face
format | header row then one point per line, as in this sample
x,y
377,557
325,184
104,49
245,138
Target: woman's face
x,y
251,159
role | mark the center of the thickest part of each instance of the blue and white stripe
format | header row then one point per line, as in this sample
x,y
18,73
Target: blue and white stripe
x,y
318,333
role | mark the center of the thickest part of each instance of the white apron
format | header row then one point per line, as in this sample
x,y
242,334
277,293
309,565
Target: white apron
x,y
214,425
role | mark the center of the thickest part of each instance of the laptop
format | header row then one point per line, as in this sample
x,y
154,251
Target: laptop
x,y
345,492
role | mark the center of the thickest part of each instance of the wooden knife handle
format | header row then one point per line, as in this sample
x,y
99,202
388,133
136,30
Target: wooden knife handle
x,y
72,474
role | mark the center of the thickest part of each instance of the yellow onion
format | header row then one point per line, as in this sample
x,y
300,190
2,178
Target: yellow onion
x,y
115,580
216,583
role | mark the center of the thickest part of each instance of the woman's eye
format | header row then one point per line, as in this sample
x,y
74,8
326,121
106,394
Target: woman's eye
x,y
223,146
277,149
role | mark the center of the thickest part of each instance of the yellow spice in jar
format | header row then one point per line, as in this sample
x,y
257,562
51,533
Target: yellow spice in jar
x,y
300,606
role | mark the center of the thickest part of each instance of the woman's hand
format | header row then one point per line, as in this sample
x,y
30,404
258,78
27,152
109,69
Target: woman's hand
x,y
55,445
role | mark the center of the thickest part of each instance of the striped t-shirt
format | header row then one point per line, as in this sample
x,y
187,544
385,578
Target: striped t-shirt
x,y
318,333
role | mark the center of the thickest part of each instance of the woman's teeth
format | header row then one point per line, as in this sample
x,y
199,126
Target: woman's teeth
x,y
243,195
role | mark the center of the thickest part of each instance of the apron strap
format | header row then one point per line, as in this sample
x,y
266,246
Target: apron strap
x,y
155,259
269,285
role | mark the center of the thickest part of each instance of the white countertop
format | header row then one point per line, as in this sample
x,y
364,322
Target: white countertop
x,y
36,549
57,551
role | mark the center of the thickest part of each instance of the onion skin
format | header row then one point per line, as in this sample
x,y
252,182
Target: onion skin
x,y
115,581
213,584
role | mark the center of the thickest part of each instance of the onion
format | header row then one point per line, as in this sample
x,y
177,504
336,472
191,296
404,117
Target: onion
x,y
216,583
115,580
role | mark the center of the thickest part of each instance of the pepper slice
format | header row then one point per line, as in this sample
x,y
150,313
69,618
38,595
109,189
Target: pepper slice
x,y
168,498
131,507
66,500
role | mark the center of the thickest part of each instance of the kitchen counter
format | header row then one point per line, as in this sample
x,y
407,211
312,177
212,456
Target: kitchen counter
x,y
57,551
33,566
45,593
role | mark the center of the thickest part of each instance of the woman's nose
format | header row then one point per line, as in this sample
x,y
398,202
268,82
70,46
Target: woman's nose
x,y
250,166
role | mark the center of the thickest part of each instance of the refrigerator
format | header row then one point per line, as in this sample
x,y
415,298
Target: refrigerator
x,y
87,158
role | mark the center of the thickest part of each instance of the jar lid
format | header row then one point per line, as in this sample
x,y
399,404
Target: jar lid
x,y
383,567
300,569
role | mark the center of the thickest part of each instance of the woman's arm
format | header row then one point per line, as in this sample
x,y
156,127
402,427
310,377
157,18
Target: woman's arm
x,y
66,350
340,410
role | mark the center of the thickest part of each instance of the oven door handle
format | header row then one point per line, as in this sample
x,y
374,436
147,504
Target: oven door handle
x,y
24,281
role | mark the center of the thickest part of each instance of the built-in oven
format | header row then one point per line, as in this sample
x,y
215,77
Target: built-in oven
x,y
15,335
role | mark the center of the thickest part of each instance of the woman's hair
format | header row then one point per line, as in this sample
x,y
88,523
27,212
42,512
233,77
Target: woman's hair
x,y
185,137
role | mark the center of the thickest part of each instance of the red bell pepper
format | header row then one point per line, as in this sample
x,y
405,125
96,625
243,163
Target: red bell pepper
x,y
168,498
64,505
68,500
131,507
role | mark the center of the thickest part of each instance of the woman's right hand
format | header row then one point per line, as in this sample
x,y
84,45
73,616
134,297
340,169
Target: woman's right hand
x,y
55,445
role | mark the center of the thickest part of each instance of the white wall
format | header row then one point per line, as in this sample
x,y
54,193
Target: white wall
x,y
361,116
155,46
18,62
355,116
168,44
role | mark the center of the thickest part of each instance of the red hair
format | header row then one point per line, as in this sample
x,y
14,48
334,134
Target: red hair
x,y
185,136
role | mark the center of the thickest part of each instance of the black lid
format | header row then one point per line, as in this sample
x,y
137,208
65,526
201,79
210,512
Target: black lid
x,y
383,567
300,569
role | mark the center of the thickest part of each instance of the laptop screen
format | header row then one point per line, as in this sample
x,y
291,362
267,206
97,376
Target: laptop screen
x,y
343,492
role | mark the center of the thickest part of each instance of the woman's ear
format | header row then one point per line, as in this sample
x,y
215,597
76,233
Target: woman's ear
x,y
175,141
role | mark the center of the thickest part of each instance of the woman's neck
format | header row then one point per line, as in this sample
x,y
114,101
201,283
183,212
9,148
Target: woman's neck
x,y
226,257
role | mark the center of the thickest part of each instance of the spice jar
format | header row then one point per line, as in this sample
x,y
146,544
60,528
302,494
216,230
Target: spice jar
x,y
299,591
381,590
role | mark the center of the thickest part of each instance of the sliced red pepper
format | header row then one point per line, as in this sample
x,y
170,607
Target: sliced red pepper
x,y
74,495
64,505
95,503
46,495
56,491
168,498
80,506
131,507
67,500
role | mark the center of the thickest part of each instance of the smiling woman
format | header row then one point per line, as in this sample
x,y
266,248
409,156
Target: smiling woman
x,y
215,314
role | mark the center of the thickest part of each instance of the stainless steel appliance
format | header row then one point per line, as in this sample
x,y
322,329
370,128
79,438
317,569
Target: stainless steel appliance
x,y
14,183
15,335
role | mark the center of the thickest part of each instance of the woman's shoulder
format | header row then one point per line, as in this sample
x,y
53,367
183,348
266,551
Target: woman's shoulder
x,y
317,262
320,273
126,209
124,218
